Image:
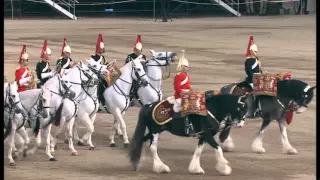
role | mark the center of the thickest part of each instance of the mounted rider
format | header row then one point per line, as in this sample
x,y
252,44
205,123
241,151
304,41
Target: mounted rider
x,y
137,51
99,57
23,75
43,69
64,63
252,64
100,50
181,84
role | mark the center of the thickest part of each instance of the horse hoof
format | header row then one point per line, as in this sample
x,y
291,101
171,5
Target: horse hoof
x,y
14,156
126,145
52,159
112,145
74,154
12,164
292,151
52,153
91,148
66,141
24,154
80,143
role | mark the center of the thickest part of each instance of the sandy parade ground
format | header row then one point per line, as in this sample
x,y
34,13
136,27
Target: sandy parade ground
x,y
215,49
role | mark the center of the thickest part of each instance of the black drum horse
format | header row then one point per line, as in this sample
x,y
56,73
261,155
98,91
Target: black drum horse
x,y
223,111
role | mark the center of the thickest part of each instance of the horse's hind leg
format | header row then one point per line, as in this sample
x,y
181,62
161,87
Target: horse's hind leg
x,y
194,166
257,142
287,148
226,141
222,166
158,165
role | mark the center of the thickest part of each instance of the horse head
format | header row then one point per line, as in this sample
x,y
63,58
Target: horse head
x,y
298,93
163,58
138,72
44,102
99,69
87,77
12,99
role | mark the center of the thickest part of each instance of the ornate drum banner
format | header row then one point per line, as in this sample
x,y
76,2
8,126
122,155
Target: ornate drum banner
x,y
114,73
193,103
265,84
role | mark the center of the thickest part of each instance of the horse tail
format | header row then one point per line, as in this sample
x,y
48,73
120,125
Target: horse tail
x,y
8,129
137,140
37,127
57,116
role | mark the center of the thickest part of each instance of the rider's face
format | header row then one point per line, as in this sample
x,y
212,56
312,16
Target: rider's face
x,y
254,53
137,52
66,54
102,51
24,62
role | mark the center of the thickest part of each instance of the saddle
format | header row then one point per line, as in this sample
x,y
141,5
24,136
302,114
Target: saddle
x,y
240,89
162,112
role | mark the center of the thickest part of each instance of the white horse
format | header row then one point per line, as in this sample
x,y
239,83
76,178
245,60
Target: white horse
x,y
117,96
88,103
35,105
67,108
12,105
153,93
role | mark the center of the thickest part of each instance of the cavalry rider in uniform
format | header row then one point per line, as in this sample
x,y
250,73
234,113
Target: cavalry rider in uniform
x,y
99,57
182,84
43,69
252,64
137,51
23,77
64,63
100,50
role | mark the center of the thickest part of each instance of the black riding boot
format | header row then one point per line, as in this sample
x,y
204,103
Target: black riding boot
x,y
188,127
100,95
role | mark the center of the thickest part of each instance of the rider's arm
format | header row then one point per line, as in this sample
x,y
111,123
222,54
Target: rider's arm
x,y
22,81
177,84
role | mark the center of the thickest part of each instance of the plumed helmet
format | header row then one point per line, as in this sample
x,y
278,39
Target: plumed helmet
x,y
182,61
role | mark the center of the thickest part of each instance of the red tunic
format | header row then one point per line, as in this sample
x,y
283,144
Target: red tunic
x,y
21,73
181,82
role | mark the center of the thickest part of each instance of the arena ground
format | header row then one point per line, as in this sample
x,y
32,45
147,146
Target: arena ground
x,y
215,48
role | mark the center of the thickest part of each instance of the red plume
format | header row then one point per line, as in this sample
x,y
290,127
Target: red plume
x,y
44,50
249,44
100,39
138,40
64,45
23,50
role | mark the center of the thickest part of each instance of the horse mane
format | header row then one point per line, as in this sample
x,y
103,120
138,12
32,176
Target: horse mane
x,y
222,105
291,88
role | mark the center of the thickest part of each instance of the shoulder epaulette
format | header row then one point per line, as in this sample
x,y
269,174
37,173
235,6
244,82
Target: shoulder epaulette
x,y
61,57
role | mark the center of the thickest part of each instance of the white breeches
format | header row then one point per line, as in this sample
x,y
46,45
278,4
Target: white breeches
x,y
177,105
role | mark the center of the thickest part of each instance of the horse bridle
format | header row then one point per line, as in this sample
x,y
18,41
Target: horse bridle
x,y
11,105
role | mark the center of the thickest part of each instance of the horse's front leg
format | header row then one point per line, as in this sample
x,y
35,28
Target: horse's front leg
x,y
70,131
194,165
23,133
11,145
222,166
118,116
257,142
47,135
287,148
226,142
